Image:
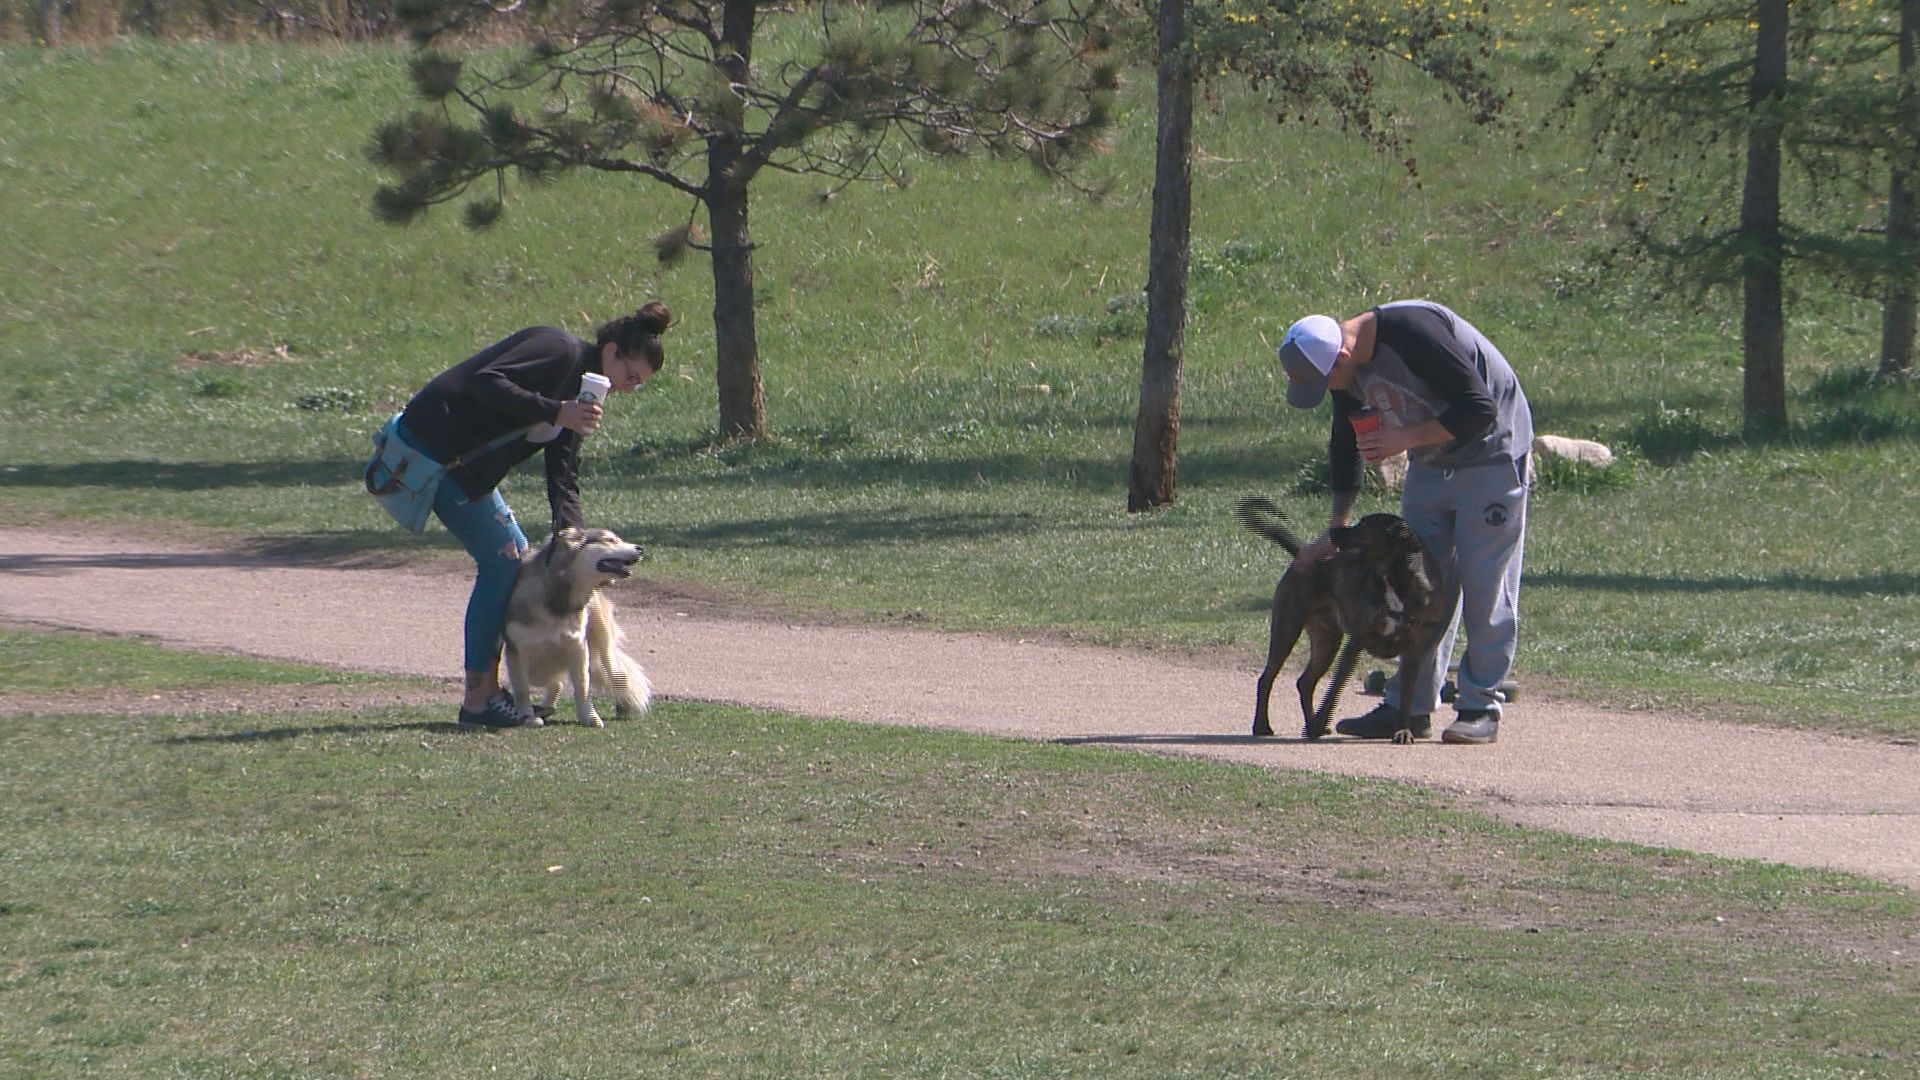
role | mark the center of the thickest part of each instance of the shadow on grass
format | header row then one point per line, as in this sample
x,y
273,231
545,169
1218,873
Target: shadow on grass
x,y
363,550
1882,584
775,464
805,460
282,733
842,530
182,475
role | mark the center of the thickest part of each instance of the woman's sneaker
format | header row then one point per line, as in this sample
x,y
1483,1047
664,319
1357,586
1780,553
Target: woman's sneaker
x,y
1473,727
499,713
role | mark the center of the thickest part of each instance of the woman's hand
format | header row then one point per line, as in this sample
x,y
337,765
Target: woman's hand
x,y
579,416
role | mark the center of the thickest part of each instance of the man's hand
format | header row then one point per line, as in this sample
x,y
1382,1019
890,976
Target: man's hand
x,y
580,416
1385,441
1317,551
1377,445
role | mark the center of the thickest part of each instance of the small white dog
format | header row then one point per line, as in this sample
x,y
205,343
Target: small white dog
x,y
559,627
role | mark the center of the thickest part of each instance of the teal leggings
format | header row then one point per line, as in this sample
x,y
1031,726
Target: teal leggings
x,y
486,527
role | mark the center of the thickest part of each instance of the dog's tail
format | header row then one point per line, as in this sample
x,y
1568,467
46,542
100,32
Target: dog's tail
x,y
613,670
1264,518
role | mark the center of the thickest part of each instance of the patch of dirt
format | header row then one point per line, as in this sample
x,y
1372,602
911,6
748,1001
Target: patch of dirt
x,y
1495,881
245,356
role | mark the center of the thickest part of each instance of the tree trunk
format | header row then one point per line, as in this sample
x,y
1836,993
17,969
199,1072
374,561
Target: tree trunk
x,y
47,15
1897,323
1156,431
1763,323
743,409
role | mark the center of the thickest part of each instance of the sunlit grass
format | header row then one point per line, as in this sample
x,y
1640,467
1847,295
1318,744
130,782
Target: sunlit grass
x,y
203,323
713,892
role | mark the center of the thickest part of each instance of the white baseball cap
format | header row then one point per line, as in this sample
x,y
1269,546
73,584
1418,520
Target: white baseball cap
x,y
1307,353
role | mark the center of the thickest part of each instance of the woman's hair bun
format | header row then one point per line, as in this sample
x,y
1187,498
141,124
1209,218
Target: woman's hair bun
x,y
639,333
654,316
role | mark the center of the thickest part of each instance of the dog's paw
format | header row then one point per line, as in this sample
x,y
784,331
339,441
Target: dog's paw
x,y
1403,737
593,720
1261,727
1313,732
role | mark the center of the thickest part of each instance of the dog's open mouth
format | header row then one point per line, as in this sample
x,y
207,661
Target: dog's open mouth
x,y
618,566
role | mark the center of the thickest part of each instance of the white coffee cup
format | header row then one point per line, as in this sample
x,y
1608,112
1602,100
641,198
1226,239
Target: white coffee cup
x,y
594,388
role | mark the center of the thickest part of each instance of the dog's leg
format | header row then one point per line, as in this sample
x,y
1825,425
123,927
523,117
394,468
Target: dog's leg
x,y
517,682
1283,630
580,674
1413,666
1323,641
1318,722
1409,678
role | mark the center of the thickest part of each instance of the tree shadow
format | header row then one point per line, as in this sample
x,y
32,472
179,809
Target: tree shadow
x,y
149,475
839,530
353,550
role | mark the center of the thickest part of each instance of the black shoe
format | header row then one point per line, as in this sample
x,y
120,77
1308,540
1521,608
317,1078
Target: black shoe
x,y
1383,722
499,713
1474,727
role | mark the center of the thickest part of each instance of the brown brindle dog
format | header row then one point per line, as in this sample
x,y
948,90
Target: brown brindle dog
x,y
1379,590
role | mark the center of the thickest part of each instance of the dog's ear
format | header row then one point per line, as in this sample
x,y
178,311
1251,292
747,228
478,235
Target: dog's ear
x,y
1401,535
1413,562
546,550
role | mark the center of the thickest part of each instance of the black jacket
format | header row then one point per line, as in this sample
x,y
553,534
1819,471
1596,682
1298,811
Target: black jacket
x,y
521,380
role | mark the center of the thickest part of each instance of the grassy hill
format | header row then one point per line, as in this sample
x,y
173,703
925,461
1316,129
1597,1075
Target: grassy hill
x,y
201,322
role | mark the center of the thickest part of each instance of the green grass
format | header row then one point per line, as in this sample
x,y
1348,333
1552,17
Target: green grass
x,y
713,892
201,322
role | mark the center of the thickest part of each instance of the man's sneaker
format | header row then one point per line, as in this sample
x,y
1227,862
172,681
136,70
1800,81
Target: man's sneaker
x,y
1473,727
499,713
1382,722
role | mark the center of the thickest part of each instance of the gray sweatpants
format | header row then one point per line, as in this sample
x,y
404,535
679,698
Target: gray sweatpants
x,y
1474,521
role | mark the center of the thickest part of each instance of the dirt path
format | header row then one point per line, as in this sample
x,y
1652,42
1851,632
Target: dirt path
x,y
1649,778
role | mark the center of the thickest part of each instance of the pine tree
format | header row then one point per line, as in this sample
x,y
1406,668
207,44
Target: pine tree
x,y
672,92
1807,95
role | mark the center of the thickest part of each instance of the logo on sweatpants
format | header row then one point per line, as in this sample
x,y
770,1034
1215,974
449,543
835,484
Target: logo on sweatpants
x,y
1496,514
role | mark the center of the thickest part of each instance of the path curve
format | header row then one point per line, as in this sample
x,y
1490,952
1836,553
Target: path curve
x,y
1646,777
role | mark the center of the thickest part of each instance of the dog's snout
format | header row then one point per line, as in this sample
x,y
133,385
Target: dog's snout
x,y
620,561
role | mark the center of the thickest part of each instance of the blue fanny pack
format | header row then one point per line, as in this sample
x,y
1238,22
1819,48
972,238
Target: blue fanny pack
x,y
406,480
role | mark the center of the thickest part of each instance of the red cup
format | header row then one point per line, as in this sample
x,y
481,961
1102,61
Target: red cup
x,y
1365,420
